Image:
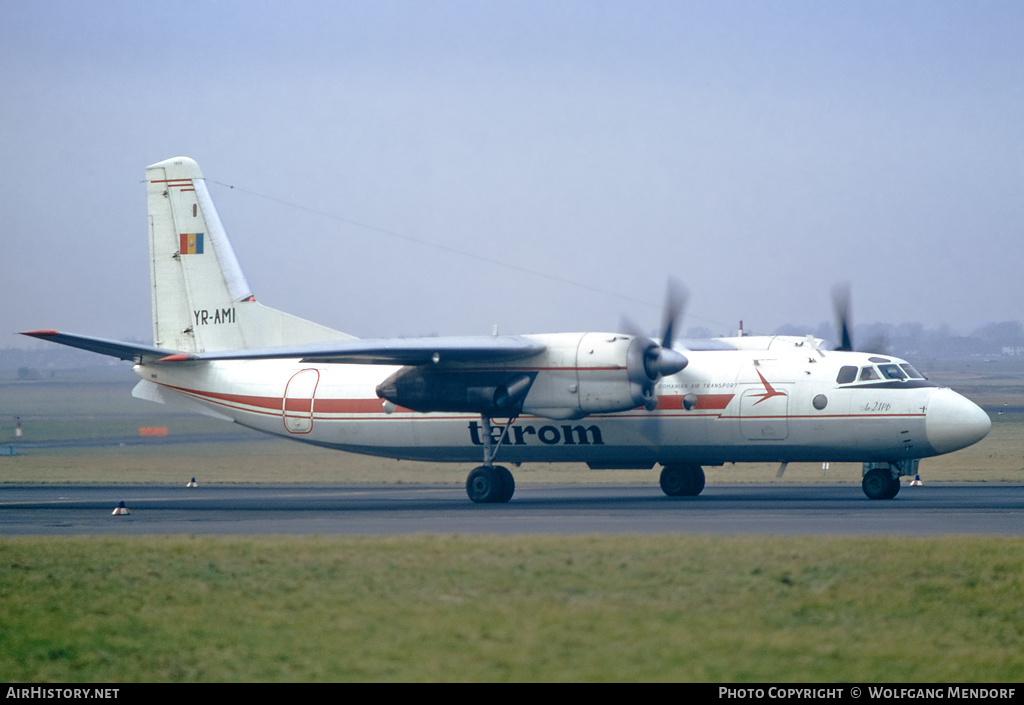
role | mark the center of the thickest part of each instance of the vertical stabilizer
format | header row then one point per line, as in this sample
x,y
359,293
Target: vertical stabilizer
x,y
201,299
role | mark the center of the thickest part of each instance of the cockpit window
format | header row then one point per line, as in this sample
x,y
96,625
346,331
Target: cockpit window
x,y
868,373
847,374
911,372
892,372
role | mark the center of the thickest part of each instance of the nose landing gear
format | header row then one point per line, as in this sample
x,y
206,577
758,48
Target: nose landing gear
x,y
882,480
880,484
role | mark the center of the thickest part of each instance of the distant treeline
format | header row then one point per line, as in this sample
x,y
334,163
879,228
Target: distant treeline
x,y
38,363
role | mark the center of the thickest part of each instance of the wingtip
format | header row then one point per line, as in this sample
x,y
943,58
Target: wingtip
x,y
45,333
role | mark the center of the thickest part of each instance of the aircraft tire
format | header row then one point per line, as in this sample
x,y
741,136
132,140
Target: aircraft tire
x,y
682,480
487,485
880,484
508,482
894,488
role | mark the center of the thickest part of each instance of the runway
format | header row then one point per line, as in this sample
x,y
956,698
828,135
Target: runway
x,y
68,510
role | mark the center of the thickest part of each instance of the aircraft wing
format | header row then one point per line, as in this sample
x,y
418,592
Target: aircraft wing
x,y
388,351
113,348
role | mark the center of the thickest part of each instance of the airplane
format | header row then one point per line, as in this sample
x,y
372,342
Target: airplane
x,y
610,400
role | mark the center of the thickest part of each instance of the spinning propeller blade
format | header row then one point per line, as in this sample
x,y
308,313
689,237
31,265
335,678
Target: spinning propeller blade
x,y
661,361
844,324
841,306
652,360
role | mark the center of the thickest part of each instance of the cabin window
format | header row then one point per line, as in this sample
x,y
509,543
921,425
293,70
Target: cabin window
x,y
892,372
911,372
847,374
868,373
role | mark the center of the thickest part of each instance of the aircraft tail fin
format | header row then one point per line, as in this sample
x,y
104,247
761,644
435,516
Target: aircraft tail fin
x,y
201,299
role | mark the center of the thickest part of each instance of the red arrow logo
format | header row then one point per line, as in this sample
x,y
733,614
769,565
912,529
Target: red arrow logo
x,y
769,390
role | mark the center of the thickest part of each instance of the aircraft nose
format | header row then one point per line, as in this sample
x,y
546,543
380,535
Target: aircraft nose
x,y
953,422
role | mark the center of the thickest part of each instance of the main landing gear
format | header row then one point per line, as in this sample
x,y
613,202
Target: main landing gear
x,y
490,483
682,480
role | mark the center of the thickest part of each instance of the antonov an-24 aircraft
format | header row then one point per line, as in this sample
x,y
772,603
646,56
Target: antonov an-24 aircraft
x,y
611,400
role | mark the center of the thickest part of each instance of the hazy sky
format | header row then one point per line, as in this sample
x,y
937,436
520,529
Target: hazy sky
x,y
758,151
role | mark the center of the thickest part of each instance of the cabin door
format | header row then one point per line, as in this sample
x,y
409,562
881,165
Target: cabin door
x,y
297,408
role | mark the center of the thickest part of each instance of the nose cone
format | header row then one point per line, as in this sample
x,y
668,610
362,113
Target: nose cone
x,y
953,422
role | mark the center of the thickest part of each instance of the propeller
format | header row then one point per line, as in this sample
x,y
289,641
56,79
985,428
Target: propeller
x,y
662,360
844,325
652,360
841,306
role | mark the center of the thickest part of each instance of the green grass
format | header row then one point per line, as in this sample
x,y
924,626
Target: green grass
x,y
457,608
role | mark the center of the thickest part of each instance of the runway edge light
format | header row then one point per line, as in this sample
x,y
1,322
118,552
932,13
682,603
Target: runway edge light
x,y
192,483
917,481
120,509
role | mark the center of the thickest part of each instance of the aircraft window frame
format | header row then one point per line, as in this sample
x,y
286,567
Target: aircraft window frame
x,y
911,371
847,374
892,371
868,373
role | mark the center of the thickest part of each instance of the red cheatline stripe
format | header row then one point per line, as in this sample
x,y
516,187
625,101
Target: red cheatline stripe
x,y
272,406
704,401
374,406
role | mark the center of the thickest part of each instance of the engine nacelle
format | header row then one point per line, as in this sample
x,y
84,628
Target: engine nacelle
x,y
599,373
491,393
577,374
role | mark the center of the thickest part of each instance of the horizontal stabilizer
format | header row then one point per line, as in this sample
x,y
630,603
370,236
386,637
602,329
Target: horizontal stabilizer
x,y
162,395
113,348
393,351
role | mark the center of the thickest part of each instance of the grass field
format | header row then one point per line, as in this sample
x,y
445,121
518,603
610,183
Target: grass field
x,y
460,608
465,608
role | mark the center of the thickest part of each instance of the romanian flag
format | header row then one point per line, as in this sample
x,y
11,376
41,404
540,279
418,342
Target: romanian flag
x,y
191,243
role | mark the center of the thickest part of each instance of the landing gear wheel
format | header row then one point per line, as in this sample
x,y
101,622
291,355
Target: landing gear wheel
x,y
894,488
489,484
508,483
880,484
682,480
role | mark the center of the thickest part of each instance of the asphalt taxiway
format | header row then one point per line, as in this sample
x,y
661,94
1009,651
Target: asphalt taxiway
x,y
991,509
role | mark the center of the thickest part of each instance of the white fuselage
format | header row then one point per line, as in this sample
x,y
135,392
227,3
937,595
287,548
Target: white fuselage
x,y
779,402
